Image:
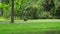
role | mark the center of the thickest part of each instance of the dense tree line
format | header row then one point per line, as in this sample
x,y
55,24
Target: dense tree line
x,y
31,9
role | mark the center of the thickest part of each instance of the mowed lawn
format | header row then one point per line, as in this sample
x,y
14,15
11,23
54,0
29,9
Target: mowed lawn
x,y
42,26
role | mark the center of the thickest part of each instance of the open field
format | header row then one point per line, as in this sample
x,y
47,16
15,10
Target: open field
x,y
43,26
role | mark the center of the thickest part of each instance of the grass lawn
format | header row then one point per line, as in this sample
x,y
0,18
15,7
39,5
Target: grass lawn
x,y
44,26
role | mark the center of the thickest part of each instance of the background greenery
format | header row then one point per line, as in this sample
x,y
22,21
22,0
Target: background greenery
x,y
31,9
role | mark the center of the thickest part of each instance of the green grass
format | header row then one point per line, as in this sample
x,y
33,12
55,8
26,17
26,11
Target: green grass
x,y
45,26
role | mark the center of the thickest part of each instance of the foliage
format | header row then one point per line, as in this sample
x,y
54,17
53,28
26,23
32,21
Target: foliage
x,y
31,9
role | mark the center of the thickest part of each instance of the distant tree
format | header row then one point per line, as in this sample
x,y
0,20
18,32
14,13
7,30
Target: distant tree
x,y
5,1
12,12
1,10
58,12
48,5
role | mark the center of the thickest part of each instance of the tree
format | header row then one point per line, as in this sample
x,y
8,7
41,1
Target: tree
x,y
58,12
0,9
5,1
49,4
12,12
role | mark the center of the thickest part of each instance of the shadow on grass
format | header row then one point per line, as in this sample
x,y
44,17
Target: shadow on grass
x,y
39,32
52,32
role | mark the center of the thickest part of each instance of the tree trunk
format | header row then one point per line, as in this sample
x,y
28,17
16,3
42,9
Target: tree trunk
x,y
12,12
